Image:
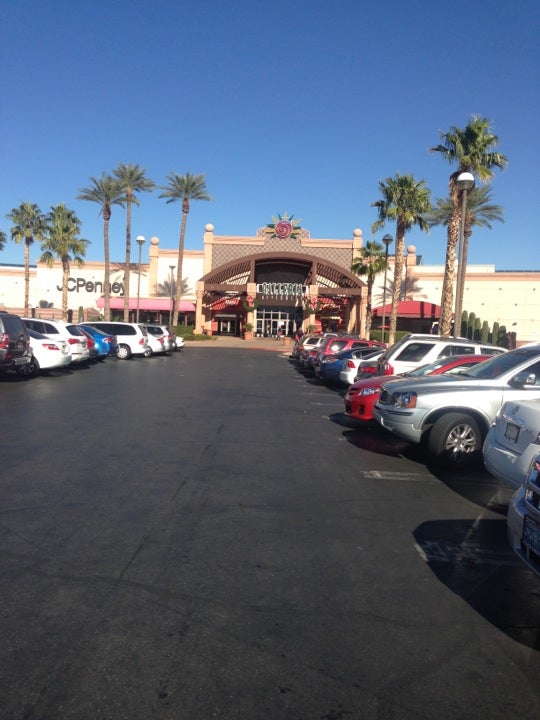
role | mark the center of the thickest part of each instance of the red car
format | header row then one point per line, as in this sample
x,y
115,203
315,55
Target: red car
x,y
362,395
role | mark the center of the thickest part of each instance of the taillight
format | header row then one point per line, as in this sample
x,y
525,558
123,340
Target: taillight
x,y
50,346
350,364
74,341
142,341
4,341
387,369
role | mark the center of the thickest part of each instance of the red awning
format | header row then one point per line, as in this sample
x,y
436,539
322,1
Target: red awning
x,y
410,308
156,304
226,303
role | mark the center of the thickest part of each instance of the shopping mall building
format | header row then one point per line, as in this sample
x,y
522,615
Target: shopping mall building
x,y
277,280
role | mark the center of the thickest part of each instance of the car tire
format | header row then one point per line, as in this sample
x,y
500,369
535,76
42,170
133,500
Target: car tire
x,y
29,370
123,352
148,353
455,439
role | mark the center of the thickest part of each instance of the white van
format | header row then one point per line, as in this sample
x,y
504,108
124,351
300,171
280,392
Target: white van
x,y
131,337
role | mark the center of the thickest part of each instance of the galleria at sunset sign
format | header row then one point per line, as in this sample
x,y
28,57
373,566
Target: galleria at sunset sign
x,y
80,284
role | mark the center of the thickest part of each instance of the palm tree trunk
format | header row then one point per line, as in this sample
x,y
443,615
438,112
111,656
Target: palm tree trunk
x,y
107,269
65,278
27,278
368,306
398,270
128,259
179,266
447,295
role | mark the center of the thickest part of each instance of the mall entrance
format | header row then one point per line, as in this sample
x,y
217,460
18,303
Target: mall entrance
x,y
270,320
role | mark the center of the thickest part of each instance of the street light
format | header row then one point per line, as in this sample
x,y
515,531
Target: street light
x,y
172,269
387,240
464,182
140,241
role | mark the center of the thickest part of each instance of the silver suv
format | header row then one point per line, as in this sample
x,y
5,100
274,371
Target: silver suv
x,y
414,350
453,413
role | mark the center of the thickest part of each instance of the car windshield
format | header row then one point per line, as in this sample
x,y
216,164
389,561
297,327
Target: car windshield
x,y
500,364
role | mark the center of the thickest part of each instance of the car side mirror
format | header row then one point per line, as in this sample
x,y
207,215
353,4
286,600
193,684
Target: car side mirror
x,y
524,378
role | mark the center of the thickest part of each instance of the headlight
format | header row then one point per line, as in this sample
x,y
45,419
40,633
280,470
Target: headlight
x,y
404,399
369,391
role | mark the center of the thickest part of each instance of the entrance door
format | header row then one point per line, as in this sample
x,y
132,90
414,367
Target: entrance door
x,y
226,326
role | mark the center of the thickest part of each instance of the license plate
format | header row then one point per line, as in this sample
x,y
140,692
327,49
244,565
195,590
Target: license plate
x,y
511,432
531,534
20,361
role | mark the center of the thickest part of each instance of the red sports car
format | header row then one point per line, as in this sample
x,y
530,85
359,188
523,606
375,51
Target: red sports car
x,y
361,395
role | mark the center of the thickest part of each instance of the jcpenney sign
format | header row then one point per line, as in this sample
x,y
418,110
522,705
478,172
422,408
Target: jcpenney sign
x,y
79,284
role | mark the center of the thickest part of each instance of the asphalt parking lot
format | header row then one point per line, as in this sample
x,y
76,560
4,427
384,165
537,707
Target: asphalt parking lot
x,y
206,536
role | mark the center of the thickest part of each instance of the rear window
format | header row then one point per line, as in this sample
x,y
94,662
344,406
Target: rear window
x,y
414,352
12,325
337,345
74,330
457,350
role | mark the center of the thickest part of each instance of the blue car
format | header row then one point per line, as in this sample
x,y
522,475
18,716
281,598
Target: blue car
x,y
106,344
330,366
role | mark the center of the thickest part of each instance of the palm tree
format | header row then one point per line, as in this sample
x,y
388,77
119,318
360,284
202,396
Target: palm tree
x,y
106,191
472,149
479,212
63,243
168,288
28,225
2,240
183,188
407,201
132,179
370,262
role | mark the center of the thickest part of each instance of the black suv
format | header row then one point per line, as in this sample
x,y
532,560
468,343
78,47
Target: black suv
x,y
15,353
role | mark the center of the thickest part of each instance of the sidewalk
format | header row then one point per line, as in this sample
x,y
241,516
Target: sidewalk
x,y
283,345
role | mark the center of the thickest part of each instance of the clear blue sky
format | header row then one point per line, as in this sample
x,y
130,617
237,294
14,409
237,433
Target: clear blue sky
x,y
297,106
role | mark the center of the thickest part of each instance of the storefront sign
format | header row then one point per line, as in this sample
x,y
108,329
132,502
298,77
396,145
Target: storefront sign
x,y
80,284
296,290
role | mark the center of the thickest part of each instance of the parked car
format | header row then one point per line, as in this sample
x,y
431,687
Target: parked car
x,y
47,354
156,345
453,413
162,331
307,343
331,346
328,368
106,344
132,338
362,394
523,519
513,441
414,350
72,334
354,368
179,342
15,352
91,345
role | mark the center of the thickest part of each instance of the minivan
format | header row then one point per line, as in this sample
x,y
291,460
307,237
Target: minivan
x,y
131,337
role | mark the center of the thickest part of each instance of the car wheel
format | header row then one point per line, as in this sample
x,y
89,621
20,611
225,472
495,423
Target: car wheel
x,y
148,352
29,370
455,438
123,352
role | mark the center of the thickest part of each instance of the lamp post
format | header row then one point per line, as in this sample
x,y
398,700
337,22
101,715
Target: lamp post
x,y
140,241
171,281
387,240
464,182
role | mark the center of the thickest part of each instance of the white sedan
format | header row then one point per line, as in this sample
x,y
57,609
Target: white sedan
x,y
47,354
513,441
